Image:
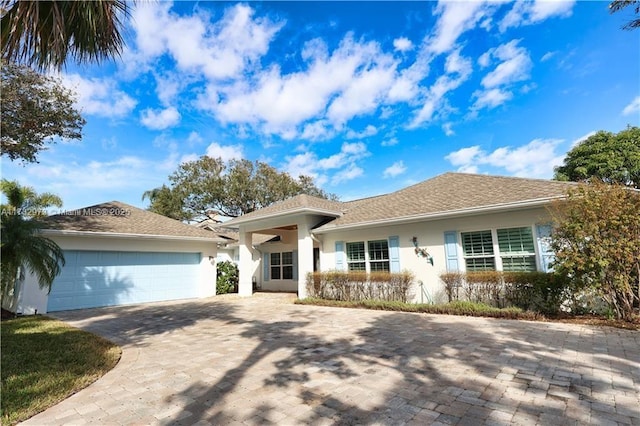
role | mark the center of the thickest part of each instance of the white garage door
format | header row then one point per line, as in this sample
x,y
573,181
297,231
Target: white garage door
x,y
91,279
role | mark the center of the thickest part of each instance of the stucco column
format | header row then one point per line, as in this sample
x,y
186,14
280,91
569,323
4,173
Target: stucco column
x,y
245,283
305,256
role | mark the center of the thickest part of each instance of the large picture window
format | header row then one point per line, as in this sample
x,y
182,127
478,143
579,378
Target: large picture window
x,y
516,250
281,266
374,258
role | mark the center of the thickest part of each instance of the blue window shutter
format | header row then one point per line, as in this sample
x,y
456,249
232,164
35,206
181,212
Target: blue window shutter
x,y
265,265
340,255
451,250
394,254
295,265
545,253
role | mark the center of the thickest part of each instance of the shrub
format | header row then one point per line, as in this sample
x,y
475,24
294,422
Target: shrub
x,y
226,277
357,286
452,283
535,291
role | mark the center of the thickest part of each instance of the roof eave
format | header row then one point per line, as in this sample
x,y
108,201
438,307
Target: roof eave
x,y
73,233
233,223
440,215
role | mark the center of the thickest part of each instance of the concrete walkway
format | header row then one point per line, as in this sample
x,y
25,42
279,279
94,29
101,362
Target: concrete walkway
x,y
263,360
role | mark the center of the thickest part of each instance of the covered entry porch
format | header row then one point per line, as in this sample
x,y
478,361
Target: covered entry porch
x,y
283,263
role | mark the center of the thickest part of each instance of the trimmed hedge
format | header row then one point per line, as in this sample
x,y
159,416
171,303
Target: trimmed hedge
x,y
358,286
535,291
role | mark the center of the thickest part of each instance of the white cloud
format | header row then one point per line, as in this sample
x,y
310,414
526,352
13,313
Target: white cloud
x,y
515,65
159,120
536,159
458,69
490,98
454,18
402,44
370,130
226,152
447,128
390,142
218,50
531,12
350,81
548,56
343,164
100,97
350,173
394,170
633,107
582,138
463,156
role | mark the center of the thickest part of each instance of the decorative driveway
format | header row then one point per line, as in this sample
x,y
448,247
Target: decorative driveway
x,y
264,360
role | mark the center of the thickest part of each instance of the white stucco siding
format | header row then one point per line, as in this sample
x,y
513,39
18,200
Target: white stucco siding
x,y
430,235
268,283
32,298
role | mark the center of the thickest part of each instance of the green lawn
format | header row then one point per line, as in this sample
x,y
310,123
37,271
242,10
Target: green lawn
x,y
44,361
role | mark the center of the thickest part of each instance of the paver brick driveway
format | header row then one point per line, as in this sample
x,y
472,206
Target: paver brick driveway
x,y
264,360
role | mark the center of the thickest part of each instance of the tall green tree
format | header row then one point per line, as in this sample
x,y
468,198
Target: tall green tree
x,y
44,34
23,247
618,5
610,157
230,189
35,110
596,240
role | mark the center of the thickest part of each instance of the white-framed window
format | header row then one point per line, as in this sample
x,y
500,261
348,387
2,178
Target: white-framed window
x,y
281,265
514,251
374,259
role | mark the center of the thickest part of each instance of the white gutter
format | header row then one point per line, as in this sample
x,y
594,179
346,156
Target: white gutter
x,y
440,215
86,234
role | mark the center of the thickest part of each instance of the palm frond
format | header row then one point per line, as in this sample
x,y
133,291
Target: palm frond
x,y
44,34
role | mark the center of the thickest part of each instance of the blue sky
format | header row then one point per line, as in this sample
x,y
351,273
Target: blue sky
x,y
367,97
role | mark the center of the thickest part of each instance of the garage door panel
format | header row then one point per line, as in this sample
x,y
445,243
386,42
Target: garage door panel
x,y
93,279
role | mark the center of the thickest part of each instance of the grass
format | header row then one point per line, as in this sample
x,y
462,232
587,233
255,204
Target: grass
x,y
453,308
45,361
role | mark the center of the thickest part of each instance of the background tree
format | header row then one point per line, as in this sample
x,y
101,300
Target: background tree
x,y
44,34
611,157
166,202
618,5
23,246
35,108
231,189
597,243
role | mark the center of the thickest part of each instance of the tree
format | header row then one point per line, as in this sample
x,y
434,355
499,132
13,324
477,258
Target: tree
x,y
166,202
613,158
597,243
44,34
35,108
618,5
23,246
230,189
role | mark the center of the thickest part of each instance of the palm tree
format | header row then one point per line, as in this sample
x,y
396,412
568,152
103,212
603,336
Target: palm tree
x,y
43,34
618,5
23,246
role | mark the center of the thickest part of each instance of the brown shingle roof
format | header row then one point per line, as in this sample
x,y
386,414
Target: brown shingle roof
x,y
450,193
120,218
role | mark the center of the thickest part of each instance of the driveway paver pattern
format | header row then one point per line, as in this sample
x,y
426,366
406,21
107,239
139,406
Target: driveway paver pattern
x,y
264,360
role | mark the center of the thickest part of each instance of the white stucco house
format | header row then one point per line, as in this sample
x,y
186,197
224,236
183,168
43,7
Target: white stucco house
x,y
465,222
118,254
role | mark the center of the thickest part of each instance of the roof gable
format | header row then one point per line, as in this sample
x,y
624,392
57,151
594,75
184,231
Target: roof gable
x,y
120,218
